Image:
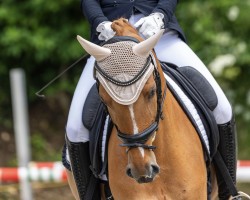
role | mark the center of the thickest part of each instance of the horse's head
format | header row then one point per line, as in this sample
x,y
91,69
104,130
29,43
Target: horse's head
x,y
130,86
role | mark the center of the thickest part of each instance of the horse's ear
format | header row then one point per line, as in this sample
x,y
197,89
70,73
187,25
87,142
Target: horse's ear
x,y
94,50
143,48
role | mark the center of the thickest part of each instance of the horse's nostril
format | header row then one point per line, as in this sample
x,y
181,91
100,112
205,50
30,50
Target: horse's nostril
x,y
155,169
129,173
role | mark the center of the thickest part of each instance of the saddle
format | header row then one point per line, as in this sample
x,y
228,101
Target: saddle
x,y
192,85
186,83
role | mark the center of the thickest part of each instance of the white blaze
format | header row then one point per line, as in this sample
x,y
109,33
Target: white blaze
x,y
132,114
135,127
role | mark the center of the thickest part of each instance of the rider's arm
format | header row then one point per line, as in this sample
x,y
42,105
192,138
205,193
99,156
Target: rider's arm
x,y
93,12
167,8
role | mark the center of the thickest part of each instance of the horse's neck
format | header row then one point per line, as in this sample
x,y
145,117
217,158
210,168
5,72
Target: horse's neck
x,y
123,28
176,130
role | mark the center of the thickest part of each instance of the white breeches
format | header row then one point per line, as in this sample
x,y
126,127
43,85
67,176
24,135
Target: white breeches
x,y
170,49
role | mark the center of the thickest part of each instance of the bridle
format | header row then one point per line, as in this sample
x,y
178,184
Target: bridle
x,y
139,139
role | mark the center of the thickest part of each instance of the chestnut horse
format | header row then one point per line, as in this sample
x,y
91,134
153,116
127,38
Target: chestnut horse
x,y
161,156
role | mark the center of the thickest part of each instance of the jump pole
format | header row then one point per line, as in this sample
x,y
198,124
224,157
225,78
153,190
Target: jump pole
x,y
55,172
36,172
21,127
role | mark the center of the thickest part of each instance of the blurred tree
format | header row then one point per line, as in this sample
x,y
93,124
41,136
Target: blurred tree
x,y
39,36
218,31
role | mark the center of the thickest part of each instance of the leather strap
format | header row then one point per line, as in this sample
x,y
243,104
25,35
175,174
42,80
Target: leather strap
x,y
225,174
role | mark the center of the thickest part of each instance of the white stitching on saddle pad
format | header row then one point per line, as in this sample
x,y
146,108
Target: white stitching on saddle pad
x,y
104,140
191,108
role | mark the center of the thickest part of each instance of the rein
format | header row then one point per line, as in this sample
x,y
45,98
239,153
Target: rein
x,y
139,140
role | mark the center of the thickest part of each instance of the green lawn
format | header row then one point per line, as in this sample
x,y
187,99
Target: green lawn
x,y
244,187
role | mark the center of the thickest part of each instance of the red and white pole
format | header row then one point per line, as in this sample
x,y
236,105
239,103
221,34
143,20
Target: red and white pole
x,y
243,171
42,172
55,172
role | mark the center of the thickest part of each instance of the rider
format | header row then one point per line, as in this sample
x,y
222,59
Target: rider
x,y
148,16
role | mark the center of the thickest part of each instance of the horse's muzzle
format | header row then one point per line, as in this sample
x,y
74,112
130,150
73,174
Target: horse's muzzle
x,y
145,179
148,177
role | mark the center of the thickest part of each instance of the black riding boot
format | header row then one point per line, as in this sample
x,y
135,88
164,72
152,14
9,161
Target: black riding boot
x,y
80,162
227,149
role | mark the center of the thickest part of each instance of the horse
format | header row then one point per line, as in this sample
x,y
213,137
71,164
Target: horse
x,y
154,151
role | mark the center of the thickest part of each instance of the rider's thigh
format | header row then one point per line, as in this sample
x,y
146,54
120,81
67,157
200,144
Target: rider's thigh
x,y
172,49
75,130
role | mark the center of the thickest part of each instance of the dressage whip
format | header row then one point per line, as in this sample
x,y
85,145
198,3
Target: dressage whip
x,y
59,75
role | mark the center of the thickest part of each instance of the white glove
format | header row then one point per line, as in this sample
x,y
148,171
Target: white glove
x,y
106,32
150,25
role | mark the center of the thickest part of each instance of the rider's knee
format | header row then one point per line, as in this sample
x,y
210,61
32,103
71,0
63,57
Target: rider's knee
x,y
77,134
223,112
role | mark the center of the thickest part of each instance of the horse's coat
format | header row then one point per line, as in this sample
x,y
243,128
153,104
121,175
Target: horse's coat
x,y
176,168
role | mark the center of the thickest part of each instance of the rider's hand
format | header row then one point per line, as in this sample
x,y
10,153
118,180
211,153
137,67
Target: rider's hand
x,y
106,32
150,25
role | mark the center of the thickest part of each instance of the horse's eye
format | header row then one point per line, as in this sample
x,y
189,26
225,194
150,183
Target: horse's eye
x,y
105,103
151,93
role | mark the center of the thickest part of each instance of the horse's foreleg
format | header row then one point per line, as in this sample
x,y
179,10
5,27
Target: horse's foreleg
x,y
214,194
72,184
